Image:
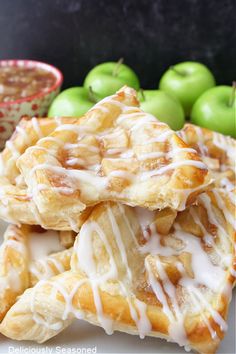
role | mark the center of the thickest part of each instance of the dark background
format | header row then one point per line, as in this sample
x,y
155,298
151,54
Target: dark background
x,y
75,35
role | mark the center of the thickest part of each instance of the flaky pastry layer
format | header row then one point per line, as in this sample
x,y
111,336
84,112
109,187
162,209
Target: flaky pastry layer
x,y
216,150
16,203
115,152
126,275
19,270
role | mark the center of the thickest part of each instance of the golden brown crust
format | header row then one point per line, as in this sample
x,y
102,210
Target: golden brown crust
x,y
14,278
16,203
122,245
54,264
165,273
27,133
17,270
115,152
216,150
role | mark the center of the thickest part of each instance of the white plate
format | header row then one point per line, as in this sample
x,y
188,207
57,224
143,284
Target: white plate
x,y
81,337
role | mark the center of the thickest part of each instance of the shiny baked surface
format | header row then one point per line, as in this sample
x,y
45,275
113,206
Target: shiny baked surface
x,y
115,152
16,203
155,215
29,254
125,275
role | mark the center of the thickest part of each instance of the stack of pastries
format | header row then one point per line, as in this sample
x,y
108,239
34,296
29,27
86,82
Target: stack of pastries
x,y
120,221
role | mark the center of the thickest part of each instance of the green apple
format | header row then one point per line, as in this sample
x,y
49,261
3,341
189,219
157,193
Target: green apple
x,y
163,106
73,102
187,81
216,110
107,78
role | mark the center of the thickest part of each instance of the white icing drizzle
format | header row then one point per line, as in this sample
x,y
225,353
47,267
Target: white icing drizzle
x,y
88,265
186,193
208,238
144,325
215,315
36,316
39,247
143,118
106,322
52,139
201,144
87,177
138,313
127,154
151,155
205,273
144,122
176,329
145,218
227,184
160,295
13,149
47,271
69,308
119,241
122,174
25,136
111,101
37,128
75,128
198,306
42,245
58,120
20,181
80,172
115,151
15,241
110,134
160,138
228,216
63,190
225,143
73,224
83,246
171,166
122,211
40,148
206,200
76,161
38,273
69,146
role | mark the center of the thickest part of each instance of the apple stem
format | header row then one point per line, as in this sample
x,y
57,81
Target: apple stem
x,y
117,67
181,73
142,94
91,95
232,97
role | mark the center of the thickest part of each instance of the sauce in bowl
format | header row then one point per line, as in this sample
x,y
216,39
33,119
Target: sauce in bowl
x,y
27,87
20,82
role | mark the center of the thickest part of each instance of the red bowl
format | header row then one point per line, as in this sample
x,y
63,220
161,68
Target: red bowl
x,y
35,105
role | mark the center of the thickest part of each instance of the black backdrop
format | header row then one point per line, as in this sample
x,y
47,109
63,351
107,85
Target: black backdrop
x,y
75,35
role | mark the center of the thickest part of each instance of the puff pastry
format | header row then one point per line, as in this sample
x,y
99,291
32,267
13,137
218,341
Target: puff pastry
x,y
216,150
27,255
27,133
16,203
126,276
115,152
